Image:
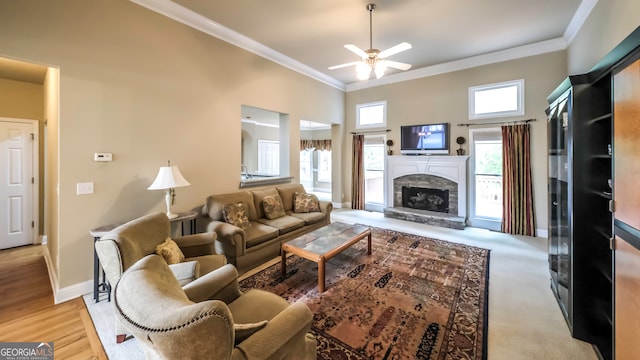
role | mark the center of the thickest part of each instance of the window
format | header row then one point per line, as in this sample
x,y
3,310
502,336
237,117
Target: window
x,y
305,166
496,100
486,178
324,165
268,157
371,115
374,172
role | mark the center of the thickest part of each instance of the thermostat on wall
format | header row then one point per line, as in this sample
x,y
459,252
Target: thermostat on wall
x,y
102,157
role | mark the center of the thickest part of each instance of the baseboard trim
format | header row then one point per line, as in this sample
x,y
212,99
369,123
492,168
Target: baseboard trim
x,y
69,292
73,291
543,233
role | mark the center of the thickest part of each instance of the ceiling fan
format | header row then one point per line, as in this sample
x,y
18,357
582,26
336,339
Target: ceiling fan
x,y
374,59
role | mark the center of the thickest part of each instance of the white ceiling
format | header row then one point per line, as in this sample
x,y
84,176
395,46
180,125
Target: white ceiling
x,y
309,36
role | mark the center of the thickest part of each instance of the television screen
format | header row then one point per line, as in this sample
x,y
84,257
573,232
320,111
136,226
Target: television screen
x,y
424,139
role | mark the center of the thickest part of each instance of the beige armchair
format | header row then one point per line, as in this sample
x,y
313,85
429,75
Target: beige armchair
x,y
120,248
161,315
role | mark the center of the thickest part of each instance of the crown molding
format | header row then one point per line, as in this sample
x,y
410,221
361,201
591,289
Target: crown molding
x,y
581,15
519,52
190,18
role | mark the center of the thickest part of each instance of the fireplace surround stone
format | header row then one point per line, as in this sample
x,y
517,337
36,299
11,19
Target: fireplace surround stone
x,y
436,172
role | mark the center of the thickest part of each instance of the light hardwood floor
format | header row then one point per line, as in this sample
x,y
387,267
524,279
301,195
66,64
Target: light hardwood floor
x,y
28,314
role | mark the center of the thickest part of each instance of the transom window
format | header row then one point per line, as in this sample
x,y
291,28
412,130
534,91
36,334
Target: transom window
x,y
372,114
496,100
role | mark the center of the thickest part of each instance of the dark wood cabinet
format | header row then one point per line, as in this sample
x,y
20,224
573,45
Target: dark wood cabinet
x,y
580,221
594,201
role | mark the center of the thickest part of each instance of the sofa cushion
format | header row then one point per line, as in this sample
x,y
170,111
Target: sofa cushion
x,y
170,251
305,203
258,197
259,233
272,206
309,218
236,214
284,224
286,194
215,203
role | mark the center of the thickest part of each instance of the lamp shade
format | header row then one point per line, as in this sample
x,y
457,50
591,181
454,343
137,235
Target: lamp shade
x,y
168,177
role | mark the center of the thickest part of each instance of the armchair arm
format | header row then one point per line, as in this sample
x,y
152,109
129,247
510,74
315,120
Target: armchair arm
x,y
220,284
197,244
186,272
286,333
230,240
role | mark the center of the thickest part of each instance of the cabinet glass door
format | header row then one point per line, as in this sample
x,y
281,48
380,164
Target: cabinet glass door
x,y
559,247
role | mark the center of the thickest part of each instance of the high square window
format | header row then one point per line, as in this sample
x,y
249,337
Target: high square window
x,y
496,100
371,115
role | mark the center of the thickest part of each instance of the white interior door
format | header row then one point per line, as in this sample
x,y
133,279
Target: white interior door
x,y
16,187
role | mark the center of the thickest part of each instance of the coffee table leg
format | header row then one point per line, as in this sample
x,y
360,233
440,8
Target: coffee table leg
x,y
321,274
369,243
283,264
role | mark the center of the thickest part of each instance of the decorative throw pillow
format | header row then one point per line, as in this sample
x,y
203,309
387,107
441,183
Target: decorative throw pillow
x,y
304,203
236,214
243,331
272,206
170,251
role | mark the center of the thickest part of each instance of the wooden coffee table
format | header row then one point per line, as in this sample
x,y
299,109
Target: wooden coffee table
x,y
322,244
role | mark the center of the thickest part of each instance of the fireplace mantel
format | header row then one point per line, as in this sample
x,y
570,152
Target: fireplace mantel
x,y
453,168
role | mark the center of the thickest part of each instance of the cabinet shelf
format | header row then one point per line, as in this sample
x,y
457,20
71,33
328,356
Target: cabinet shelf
x,y
603,194
606,116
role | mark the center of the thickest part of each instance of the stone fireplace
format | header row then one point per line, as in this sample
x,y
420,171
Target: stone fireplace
x,y
427,189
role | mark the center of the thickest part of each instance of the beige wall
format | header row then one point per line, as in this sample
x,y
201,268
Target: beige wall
x,y
607,25
444,98
147,89
21,100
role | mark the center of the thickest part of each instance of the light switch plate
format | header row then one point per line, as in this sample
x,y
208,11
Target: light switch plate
x,y
102,157
84,188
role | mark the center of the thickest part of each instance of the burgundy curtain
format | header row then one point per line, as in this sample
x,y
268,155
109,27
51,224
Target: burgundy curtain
x,y
517,190
357,169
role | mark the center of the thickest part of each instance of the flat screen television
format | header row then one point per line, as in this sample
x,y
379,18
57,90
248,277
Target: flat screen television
x,y
424,139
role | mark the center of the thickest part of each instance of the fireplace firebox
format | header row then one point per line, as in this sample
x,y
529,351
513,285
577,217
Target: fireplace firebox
x,y
425,199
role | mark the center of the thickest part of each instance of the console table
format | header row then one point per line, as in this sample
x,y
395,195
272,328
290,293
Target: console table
x,y
100,282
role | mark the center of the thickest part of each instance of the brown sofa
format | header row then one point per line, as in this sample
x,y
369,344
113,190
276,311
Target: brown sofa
x,y
261,242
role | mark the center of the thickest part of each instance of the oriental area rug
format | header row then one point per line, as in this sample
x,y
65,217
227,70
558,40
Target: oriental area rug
x,y
413,298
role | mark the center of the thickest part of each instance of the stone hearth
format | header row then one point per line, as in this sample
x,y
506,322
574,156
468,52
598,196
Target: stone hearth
x,y
445,174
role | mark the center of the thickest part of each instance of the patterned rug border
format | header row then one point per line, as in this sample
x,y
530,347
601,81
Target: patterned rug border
x,y
485,307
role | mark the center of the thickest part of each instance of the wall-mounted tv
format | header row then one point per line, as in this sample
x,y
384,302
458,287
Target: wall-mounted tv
x,y
424,139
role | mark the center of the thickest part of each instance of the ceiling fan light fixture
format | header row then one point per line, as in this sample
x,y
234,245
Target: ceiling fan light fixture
x,y
363,70
373,59
380,68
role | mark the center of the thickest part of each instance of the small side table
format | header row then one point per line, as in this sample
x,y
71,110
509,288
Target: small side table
x,y
183,217
100,283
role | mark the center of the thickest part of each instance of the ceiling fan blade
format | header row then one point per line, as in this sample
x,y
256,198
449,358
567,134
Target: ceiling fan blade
x,y
343,65
357,50
394,50
398,65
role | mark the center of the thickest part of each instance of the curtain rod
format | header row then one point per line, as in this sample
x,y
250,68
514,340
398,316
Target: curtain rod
x,y
370,131
499,122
